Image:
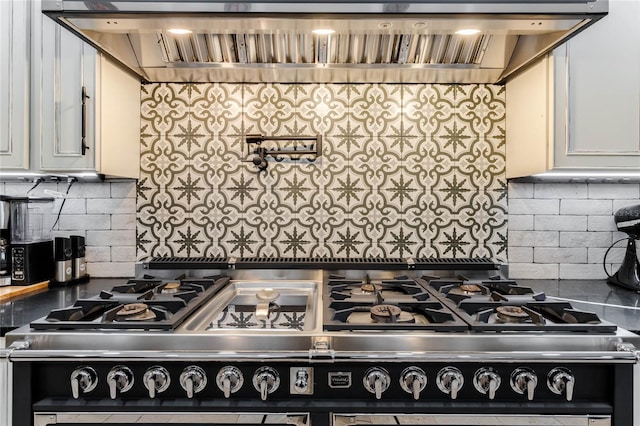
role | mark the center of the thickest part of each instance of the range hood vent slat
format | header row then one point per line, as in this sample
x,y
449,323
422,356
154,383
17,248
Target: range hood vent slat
x,y
214,47
200,48
229,52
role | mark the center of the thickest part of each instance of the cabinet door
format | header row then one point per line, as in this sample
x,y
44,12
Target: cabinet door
x,y
597,77
14,85
68,71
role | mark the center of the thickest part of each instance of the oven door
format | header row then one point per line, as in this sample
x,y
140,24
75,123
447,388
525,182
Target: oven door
x,y
183,419
467,420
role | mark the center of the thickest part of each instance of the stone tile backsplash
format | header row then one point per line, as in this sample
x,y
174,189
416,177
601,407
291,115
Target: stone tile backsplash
x,y
562,230
405,171
104,213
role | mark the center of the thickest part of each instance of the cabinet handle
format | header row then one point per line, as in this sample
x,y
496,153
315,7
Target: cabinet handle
x,y
83,145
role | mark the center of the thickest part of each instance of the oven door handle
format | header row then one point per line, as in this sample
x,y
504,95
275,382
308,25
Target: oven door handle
x,y
275,419
468,419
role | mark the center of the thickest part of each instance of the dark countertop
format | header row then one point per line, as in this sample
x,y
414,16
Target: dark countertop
x,y
614,304
21,310
609,302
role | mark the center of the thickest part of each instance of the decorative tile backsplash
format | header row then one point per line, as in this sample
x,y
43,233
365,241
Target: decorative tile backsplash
x,y
407,170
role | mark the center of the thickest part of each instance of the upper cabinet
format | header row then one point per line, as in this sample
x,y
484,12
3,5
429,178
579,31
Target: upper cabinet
x,y
90,109
14,84
67,99
588,118
67,109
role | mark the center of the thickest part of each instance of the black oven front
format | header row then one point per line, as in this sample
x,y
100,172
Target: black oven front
x,y
308,393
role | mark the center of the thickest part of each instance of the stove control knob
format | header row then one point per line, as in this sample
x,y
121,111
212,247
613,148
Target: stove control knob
x,y
560,380
486,381
229,380
376,380
83,379
156,379
450,380
413,380
193,379
119,379
266,380
523,380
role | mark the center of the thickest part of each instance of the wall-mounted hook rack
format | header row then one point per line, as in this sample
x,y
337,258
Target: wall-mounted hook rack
x,y
260,153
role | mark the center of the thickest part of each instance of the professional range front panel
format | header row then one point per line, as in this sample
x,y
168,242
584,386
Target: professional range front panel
x,y
315,347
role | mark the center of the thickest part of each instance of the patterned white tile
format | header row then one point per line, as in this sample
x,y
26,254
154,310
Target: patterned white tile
x,y
219,108
400,164
322,108
162,107
426,108
483,164
378,109
269,109
484,109
161,214
161,160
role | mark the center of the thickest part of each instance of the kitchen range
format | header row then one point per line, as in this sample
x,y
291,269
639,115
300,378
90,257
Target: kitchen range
x,y
327,341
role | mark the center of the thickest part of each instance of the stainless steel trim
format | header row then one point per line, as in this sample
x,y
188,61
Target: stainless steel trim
x,y
468,419
636,391
358,8
295,419
5,386
565,358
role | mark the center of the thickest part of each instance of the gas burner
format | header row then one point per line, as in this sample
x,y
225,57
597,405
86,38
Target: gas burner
x,y
390,314
135,312
512,314
470,289
370,288
170,288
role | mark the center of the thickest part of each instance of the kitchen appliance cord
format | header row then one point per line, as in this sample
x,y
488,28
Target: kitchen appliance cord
x,y
606,253
70,183
36,182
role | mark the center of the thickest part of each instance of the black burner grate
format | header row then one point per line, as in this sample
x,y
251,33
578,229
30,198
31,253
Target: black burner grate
x,y
479,310
170,309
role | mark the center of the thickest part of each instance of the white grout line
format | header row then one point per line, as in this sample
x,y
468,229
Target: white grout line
x,y
635,308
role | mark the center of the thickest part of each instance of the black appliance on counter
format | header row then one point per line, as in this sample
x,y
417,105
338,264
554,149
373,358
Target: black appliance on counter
x,y
628,275
70,261
78,259
62,256
29,246
355,342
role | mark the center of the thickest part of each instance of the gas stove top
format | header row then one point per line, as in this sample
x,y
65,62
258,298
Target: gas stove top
x,y
329,303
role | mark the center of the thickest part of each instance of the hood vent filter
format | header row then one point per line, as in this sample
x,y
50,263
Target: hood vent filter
x,y
352,49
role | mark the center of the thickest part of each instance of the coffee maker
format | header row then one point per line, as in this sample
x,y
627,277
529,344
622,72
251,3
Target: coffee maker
x,y
628,275
27,244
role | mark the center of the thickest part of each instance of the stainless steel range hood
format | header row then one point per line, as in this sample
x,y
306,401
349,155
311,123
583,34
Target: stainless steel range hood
x,y
265,41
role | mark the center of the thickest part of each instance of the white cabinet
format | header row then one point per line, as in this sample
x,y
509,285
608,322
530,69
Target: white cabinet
x,y
14,85
579,108
67,100
89,109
